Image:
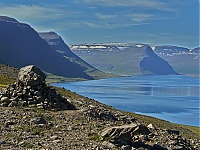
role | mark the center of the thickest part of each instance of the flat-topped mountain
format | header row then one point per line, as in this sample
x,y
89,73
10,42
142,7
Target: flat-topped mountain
x,y
168,49
184,60
124,58
21,45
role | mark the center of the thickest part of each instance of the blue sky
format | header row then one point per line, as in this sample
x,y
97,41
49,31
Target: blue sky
x,y
156,22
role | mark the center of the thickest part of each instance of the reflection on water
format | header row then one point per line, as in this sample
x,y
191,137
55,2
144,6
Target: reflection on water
x,y
175,98
170,91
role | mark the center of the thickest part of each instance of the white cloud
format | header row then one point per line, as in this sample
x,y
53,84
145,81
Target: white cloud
x,y
139,17
148,4
110,25
106,16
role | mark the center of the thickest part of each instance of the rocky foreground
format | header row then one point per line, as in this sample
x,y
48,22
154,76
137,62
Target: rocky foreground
x,y
34,116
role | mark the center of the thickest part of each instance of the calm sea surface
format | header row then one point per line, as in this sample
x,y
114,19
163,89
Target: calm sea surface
x,y
173,98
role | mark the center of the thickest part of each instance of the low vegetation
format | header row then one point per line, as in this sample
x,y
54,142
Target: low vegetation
x,y
70,121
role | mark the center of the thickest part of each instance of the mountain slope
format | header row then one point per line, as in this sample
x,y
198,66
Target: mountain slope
x,y
56,43
183,60
21,45
123,58
155,64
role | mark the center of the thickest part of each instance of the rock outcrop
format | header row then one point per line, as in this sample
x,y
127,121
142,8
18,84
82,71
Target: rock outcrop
x,y
138,136
31,90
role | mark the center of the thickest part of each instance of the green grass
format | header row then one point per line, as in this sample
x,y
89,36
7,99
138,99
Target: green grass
x,y
4,81
94,136
27,145
185,130
194,129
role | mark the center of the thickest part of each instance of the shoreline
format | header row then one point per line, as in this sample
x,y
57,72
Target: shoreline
x,y
167,115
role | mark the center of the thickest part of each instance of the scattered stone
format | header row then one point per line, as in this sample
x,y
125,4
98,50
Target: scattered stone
x,y
54,137
100,113
38,120
123,135
5,100
126,147
106,144
2,142
158,147
151,126
173,132
31,90
21,129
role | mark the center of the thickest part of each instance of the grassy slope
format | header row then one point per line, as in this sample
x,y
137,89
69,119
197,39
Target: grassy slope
x,y
186,131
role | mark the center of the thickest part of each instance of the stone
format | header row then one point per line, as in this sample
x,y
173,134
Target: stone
x,y
151,126
54,137
126,147
57,141
5,100
106,144
13,103
2,142
124,134
38,120
31,90
173,132
31,76
158,147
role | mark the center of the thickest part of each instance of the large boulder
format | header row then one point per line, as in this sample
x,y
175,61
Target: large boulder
x,y
31,75
124,134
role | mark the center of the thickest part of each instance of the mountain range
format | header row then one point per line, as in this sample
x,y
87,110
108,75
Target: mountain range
x,y
125,58
21,45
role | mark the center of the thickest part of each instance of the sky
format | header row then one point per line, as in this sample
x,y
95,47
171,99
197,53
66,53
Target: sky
x,y
155,22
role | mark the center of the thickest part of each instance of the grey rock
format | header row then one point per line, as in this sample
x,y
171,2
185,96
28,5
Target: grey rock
x,y
2,142
54,137
106,144
159,147
57,141
151,126
38,120
5,100
31,75
126,147
124,134
13,103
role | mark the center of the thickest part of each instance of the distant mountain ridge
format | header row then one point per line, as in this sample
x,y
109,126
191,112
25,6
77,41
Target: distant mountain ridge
x,y
155,64
21,45
126,57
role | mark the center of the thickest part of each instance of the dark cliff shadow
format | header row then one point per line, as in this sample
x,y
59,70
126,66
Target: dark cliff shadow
x,y
152,63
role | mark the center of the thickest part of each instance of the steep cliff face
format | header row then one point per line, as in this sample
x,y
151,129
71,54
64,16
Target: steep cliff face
x,y
21,45
123,58
184,61
57,44
152,63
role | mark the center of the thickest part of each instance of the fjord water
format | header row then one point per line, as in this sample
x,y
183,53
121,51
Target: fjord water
x,y
174,98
